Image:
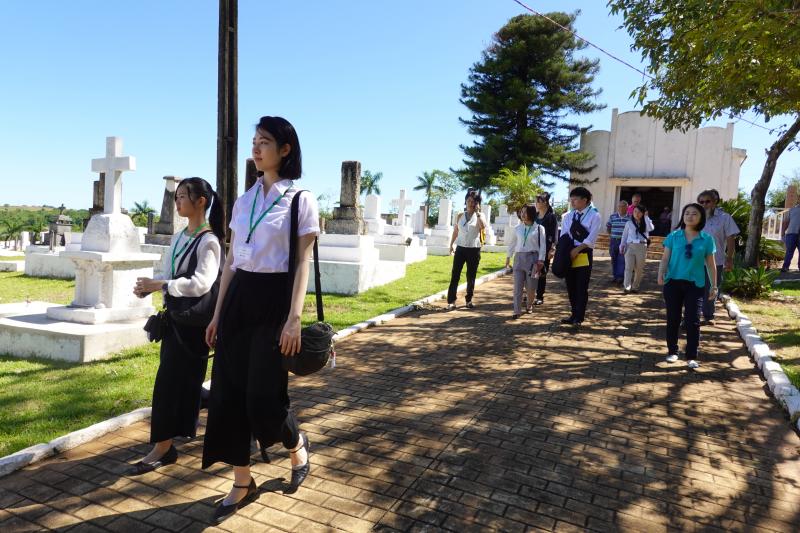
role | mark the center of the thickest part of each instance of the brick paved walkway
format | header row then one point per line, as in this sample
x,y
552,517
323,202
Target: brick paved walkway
x,y
468,421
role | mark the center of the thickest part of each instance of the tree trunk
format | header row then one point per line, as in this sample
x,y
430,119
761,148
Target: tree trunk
x,y
227,112
759,193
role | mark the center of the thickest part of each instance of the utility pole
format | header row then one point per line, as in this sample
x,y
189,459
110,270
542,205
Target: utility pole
x,y
227,107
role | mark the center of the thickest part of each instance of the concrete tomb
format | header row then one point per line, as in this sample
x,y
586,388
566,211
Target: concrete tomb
x,y
438,242
349,261
104,316
372,215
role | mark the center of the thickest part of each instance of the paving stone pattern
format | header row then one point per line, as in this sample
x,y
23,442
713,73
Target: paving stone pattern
x,y
469,421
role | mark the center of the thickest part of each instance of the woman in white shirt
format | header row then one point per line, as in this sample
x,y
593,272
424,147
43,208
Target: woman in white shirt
x,y
190,270
633,244
527,244
467,238
257,319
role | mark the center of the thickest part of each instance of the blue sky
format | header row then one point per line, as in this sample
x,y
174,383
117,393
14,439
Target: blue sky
x,y
371,80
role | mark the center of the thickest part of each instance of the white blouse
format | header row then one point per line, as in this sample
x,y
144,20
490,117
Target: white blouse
x,y
631,236
535,241
209,259
269,243
469,236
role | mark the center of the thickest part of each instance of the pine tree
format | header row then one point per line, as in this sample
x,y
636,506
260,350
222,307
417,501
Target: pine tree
x,y
519,94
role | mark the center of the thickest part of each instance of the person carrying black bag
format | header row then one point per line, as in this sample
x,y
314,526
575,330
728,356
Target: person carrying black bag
x,y
255,325
191,276
581,225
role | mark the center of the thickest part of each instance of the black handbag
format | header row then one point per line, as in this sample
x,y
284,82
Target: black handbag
x,y
316,340
155,326
195,311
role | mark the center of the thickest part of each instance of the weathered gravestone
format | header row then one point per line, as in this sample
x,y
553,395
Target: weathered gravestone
x,y
169,222
347,218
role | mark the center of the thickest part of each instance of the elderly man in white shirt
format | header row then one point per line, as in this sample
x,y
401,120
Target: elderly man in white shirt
x,y
583,224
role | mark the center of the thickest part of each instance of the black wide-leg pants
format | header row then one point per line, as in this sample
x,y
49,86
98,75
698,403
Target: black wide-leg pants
x,y
249,387
176,392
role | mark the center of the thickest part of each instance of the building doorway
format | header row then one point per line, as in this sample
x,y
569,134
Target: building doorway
x,y
655,199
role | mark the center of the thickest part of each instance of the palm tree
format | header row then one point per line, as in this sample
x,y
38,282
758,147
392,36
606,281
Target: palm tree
x,y
13,232
517,187
428,183
140,211
369,182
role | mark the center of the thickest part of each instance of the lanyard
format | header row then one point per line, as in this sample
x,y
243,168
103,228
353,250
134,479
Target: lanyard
x,y
263,213
176,252
466,219
527,231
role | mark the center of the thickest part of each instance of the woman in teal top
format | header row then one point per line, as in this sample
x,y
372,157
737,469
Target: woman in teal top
x,y
688,252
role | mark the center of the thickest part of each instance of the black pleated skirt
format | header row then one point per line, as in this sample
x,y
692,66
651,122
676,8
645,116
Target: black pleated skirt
x,y
249,387
176,392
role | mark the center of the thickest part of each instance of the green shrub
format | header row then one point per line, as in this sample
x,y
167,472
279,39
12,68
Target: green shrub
x,y
749,282
770,250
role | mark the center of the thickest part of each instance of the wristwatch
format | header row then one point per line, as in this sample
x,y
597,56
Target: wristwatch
x,y
164,286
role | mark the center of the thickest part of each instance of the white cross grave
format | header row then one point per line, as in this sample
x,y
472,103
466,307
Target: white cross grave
x,y
401,204
113,165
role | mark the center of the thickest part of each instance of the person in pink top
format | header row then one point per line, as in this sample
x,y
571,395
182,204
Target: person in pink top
x,y
635,200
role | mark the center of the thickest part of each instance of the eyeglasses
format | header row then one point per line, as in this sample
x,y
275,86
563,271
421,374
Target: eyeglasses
x,y
688,251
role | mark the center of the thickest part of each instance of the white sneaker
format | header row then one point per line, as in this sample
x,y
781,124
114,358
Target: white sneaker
x,y
671,358
450,307
692,363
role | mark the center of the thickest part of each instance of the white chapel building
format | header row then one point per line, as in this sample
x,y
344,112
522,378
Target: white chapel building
x,y
668,168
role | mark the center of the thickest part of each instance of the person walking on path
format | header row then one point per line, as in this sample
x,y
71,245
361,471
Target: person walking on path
x,y
664,221
547,218
790,233
191,268
467,240
721,226
256,323
687,262
615,226
582,224
527,244
634,243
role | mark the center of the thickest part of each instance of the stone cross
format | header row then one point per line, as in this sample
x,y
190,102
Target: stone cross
x,y
113,165
401,204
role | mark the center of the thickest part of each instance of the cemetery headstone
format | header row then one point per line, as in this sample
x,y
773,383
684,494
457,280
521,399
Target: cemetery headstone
x,y
372,215
347,217
169,223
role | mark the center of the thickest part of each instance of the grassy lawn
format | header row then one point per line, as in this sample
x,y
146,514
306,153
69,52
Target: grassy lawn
x,y
778,323
44,399
12,258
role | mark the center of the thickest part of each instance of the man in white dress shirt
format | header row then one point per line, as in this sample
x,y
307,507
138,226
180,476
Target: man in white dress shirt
x,y
583,224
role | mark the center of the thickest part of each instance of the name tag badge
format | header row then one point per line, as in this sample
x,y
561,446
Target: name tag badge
x,y
244,252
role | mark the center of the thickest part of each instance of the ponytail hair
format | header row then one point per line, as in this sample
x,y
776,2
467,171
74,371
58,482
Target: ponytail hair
x,y
197,187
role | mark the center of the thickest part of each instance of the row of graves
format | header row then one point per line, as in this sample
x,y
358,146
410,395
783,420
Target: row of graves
x,y
358,250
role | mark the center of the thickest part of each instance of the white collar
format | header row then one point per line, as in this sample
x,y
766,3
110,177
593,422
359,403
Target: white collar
x,y
279,187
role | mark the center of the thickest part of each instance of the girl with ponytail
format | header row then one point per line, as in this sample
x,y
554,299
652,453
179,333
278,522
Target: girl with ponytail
x,y
190,271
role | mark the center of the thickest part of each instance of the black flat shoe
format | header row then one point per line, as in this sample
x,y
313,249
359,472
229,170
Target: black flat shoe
x,y
224,511
169,458
514,317
299,473
566,320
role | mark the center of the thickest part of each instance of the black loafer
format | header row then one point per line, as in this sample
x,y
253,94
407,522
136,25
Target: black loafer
x,y
169,458
224,511
299,473
567,320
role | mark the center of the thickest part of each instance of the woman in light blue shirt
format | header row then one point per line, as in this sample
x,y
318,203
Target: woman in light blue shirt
x,y
688,254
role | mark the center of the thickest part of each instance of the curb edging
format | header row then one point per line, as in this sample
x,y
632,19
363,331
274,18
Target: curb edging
x,y
37,452
779,384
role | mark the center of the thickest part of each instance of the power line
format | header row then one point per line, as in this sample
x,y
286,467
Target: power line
x,y
615,58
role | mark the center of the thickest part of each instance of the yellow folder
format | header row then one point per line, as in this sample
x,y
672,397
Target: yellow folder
x,y
581,260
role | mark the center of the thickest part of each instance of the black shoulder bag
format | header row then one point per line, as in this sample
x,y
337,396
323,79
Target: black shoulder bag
x,y
195,311
316,340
